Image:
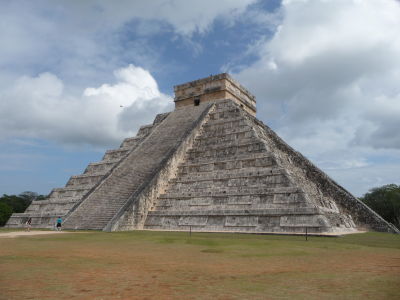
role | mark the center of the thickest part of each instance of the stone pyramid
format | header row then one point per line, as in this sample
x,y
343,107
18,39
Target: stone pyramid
x,y
209,165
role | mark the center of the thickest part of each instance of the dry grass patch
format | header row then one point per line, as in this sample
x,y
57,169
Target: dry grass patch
x,y
172,265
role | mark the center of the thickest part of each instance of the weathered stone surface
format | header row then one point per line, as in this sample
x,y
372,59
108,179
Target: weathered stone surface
x,y
208,166
109,201
62,201
232,179
209,89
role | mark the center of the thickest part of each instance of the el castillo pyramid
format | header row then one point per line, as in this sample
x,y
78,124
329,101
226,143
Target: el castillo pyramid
x,y
209,165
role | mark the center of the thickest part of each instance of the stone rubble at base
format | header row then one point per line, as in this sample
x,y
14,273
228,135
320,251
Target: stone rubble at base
x,y
206,166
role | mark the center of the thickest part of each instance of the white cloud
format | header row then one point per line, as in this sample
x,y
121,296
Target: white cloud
x,y
360,179
186,17
90,29
39,107
76,44
328,82
332,60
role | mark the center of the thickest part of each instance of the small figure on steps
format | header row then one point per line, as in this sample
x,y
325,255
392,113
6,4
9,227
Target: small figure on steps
x,y
28,225
59,224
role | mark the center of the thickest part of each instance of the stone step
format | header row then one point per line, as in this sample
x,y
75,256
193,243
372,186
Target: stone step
x,y
145,130
220,202
160,117
232,174
237,181
223,113
207,134
223,130
88,175
98,220
137,169
131,142
33,215
230,122
54,201
228,149
240,223
70,191
230,184
100,167
213,138
71,188
85,179
224,106
105,162
63,198
223,142
230,206
227,164
259,191
194,160
55,207
243,212
116,154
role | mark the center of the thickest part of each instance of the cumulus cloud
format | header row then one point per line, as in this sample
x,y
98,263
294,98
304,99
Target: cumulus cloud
x,y
39,107
76,44
186,17
330,64
51,53
326,73
360,179
328,82
84,33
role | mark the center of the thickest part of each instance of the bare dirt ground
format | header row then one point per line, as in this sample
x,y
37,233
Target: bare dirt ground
x,y
14,234
160,265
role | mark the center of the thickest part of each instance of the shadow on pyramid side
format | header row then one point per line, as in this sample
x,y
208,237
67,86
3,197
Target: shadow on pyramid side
x,y
209,165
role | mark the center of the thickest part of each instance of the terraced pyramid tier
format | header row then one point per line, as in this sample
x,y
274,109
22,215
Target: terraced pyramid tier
x,y
239,176
62,201
108,202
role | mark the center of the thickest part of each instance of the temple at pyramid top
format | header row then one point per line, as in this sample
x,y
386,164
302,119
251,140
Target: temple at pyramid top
x,y
212,89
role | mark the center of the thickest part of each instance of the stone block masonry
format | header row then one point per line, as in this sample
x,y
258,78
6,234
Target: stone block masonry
x,y
235,178
62,201
212,88
108,202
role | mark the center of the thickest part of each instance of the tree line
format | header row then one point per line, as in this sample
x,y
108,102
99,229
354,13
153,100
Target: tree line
x,y
385,200
10,204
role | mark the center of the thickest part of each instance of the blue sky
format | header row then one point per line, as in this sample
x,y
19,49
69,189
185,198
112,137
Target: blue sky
x,y
325,74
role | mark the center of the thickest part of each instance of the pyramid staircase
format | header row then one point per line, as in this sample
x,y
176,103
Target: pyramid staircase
x,y
231,181
61,201
111,198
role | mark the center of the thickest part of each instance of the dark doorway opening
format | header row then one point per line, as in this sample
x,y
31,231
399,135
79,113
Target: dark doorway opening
x,y
196,101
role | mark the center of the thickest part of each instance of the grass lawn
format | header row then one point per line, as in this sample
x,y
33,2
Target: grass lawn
x,y
172,265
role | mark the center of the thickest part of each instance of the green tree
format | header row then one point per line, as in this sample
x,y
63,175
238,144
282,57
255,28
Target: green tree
x,y
28,195
385,200
5,212
31,196
10,204
17,203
